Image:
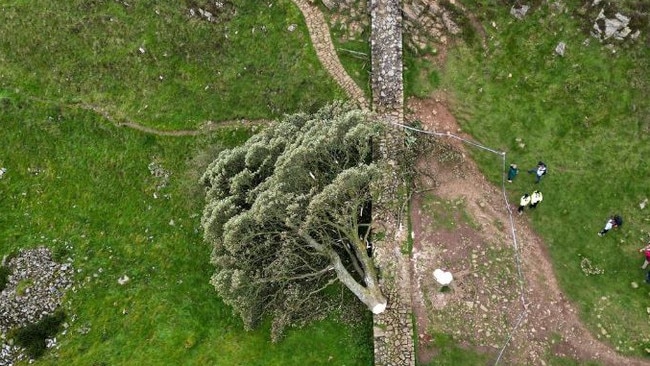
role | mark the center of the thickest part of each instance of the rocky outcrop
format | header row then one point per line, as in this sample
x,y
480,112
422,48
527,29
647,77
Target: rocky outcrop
x,y
616,27
34,290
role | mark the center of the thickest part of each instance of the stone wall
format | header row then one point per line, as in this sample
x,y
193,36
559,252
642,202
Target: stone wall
x,y
386,53
393,329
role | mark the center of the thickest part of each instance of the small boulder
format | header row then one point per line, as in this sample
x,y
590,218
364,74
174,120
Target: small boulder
x,y
519,11
560,48
123,280
444,278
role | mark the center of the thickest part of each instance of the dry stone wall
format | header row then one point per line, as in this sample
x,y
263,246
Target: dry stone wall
x,y
393,329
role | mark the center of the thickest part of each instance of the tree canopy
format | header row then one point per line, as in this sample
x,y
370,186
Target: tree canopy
x,y
285,213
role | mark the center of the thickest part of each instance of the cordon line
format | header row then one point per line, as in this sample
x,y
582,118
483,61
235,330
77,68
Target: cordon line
x,y
513,232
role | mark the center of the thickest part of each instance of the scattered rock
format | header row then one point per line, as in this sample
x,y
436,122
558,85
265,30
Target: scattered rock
x,y
206,14
444,278
48,281
292,27
560,48
330,4
123,280
161,174
615,28
519,11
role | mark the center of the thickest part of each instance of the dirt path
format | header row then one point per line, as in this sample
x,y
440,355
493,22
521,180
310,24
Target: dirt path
x,y
322,42
487,301
206,127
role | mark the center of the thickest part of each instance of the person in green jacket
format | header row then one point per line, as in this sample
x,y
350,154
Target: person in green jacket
x,y
512,172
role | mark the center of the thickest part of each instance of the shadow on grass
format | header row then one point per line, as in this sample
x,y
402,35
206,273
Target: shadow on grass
x,y
32,337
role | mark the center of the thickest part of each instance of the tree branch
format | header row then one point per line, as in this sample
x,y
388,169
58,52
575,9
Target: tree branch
x,y
298,277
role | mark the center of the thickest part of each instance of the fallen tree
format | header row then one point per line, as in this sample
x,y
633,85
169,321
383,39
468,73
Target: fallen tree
x,y
285,213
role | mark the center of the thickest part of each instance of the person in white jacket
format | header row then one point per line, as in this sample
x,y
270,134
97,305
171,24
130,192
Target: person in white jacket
x,y
523,202
612,223
539,171
535,198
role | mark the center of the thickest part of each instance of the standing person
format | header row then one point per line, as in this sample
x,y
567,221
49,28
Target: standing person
x,y
539,171
512,172
613,222
523,202
535,198
646,252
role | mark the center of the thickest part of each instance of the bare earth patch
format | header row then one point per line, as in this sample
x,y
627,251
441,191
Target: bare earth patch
x,y
505,301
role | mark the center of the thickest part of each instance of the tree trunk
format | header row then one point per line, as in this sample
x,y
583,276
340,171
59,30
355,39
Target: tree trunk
x,y
370,295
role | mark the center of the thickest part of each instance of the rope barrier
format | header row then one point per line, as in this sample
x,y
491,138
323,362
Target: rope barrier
x,y
515,244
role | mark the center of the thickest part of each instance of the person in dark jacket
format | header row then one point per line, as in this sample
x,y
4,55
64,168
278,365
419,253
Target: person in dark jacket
x,y
512,172
539,171
612,223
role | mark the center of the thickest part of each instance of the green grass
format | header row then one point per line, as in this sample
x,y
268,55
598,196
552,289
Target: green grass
x,y
421,75
446,214
32,337
244,65
4,277
450,353
586,116
23,286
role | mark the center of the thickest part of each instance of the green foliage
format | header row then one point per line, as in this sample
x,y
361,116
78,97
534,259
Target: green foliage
x,y
414,144
32,337
585,115
304,178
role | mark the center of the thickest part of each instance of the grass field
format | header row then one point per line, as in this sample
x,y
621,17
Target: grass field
x,y
79,185
586,115
156,64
